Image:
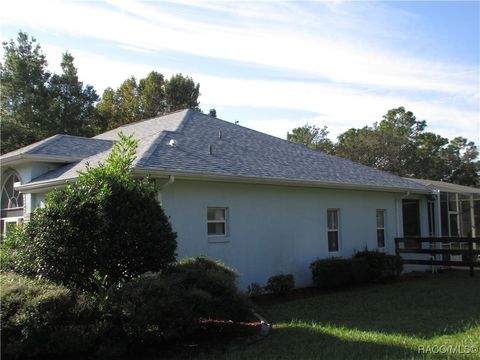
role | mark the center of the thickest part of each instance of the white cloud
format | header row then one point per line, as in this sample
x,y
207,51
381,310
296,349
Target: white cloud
x,y
143,26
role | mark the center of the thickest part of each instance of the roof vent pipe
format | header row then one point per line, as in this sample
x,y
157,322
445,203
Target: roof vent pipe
x,y
220,135
172,143
210,150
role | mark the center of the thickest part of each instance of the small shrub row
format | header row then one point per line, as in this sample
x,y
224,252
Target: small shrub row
x,y
364,266
279,285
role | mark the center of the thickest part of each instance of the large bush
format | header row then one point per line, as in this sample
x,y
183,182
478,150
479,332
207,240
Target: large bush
x,y
151,310
169,305
107,222
41,319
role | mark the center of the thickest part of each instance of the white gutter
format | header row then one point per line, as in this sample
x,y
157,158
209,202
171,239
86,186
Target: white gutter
x,y
276,181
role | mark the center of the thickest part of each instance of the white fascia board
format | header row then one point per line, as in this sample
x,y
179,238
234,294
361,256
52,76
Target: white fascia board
x,y
38,187
276,181
47,185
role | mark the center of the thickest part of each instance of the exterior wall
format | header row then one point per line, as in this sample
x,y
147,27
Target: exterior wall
x,y
275,229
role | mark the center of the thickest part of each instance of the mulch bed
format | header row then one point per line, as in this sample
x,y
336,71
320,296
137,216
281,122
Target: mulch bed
x,y
267,300
213,335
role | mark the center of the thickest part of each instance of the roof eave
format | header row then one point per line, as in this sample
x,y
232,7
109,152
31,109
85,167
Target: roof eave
x,y
51,184
39,187
38,158
278,181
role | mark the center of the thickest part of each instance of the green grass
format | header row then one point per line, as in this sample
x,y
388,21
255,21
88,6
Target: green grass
x,y
378,322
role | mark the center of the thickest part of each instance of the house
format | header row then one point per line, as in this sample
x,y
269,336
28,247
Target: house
x,y
261,204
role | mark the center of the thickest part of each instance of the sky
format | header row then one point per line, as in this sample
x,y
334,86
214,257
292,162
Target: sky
x,y
273,66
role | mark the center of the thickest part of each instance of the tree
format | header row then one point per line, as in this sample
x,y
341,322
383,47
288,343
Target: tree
x,y
107,111
459,157
36,104
150,97
72,109
399,144
181,92
358,145
127,100
106,223
151,92
212,112
24,93
312,137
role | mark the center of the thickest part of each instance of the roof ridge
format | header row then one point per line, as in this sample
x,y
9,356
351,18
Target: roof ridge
x,y
151,149
43,142
144,120
82,137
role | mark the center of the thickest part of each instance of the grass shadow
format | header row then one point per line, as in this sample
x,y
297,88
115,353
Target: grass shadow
x,y
422,308
298,342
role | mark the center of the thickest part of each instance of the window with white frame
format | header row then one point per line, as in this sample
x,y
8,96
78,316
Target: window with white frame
x,y
217,221
380,228
332,230
11,200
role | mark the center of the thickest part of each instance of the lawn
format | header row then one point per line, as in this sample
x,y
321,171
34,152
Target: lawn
x,y
388,321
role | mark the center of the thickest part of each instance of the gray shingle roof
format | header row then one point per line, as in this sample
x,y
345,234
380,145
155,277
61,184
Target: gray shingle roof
x,y
238,152
65,146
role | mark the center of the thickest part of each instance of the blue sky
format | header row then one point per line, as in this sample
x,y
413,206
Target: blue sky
x,y
274,65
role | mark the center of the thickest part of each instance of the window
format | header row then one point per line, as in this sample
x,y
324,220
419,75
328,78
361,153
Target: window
x,y
11,198
217,221
381,228
11,204
332,226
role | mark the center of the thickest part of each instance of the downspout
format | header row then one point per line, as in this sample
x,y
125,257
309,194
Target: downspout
x,y
171,180
438,224
438,217
472,220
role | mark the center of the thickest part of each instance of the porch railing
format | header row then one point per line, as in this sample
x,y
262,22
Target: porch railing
x,y
441,251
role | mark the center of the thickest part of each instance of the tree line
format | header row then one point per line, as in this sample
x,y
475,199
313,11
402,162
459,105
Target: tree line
x,y
399,144
36,103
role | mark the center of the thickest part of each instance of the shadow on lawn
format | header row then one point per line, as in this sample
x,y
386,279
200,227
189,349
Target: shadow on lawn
x,y
422,308
301,343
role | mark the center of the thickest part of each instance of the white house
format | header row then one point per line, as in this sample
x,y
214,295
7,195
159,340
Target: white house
x,y
261,204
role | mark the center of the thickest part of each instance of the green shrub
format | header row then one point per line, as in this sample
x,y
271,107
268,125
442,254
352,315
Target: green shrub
x,y
380,266
280,284
211,287
393,266
166,306
332,273
41,319
255,289
7,249
107,221
359,268
151,310
376,263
